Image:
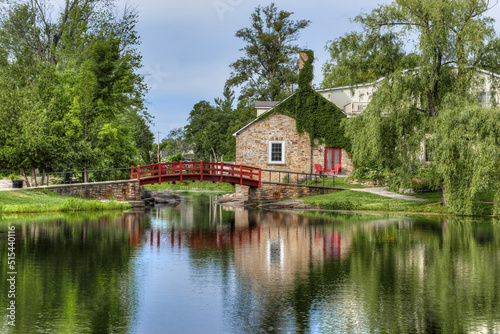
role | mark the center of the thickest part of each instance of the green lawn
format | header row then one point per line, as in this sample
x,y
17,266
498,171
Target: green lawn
x,y
367,201
341,183
38,200
188,185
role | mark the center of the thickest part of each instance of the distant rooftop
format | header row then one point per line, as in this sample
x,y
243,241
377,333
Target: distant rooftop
x,y
266,104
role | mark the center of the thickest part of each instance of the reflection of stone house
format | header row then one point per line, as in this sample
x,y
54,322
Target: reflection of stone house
x,y
284,248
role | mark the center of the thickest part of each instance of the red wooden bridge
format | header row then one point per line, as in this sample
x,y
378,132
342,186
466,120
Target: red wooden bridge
x,y
197,171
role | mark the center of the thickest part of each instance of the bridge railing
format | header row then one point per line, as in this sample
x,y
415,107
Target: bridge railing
x,y
297,178
199,168
93,175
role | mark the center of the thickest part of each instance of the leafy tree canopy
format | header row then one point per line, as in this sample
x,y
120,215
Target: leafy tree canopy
x,y
70,90
211,127
268,68
452,40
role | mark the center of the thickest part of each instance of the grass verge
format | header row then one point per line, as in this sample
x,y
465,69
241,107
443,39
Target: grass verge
x,y
340,182
40,200
188,185
354,200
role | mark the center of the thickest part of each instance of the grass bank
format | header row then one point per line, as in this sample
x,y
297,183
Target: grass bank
x,y
188,185
41,200
355,200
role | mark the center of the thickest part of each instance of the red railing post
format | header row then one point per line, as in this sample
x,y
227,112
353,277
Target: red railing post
x,y
180,170
159,172
132,172
201,170
221,170
241,174
260,180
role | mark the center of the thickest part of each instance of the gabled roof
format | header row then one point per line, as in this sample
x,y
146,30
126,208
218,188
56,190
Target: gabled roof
x,y
266,104
255,120
350,86
317,90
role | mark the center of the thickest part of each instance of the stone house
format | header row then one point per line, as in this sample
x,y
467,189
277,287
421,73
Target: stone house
x,y
272,141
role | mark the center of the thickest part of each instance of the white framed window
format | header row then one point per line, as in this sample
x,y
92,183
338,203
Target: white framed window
x,y
486,97
276,152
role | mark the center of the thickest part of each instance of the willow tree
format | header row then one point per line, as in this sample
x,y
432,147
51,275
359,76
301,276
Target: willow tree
x,y
452,41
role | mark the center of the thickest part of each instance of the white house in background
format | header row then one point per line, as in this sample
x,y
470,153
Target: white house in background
x,y
351,100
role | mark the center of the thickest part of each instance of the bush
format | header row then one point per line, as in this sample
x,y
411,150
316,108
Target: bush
x,y
422,179
368,174
339,205
177,157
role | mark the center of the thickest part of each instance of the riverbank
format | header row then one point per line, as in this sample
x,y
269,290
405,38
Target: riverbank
x,y
40,200
360,201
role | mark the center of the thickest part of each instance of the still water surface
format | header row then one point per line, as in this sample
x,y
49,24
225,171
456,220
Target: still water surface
x,y
199,268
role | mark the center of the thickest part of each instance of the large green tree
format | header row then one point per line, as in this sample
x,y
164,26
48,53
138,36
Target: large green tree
x,y
453,40
364,57
73,97
211,127
268,69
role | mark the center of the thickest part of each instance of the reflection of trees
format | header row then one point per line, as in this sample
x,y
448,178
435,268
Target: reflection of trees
x,y
399,276
73,277
426,279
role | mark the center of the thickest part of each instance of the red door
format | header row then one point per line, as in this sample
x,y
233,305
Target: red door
x,y
333,156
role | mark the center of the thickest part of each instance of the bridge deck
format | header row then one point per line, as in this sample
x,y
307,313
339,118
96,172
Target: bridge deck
x,y
197,171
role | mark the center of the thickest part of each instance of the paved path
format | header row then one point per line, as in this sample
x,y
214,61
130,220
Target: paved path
x,y
384,192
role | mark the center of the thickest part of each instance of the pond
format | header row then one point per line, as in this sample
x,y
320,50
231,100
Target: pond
x,y
197,267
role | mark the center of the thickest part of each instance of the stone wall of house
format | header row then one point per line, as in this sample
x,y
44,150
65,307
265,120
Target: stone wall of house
x,y
252,144
119,190
270,192
346,164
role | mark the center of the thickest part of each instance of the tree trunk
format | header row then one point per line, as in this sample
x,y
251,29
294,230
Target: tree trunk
x,y
85,176
443,197
215,156
33,177
25,177
43,176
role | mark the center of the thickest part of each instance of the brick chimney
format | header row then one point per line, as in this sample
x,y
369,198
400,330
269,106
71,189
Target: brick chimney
x,y
302,59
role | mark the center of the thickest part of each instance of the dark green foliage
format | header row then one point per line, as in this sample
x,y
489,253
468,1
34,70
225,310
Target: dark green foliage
x,y
74,102
210,128
339,205
267,70
367,174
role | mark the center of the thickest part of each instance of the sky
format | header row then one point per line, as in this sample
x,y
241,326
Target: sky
x,y
188,45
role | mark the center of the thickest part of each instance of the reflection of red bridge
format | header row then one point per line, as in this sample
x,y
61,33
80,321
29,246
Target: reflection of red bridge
x,y
219,239
197,171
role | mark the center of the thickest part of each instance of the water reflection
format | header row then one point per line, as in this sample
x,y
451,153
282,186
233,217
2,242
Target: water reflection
x,y
197,267
74,273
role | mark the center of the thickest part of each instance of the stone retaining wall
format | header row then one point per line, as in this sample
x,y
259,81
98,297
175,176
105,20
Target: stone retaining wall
x,y
270,192
5,183
119,190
